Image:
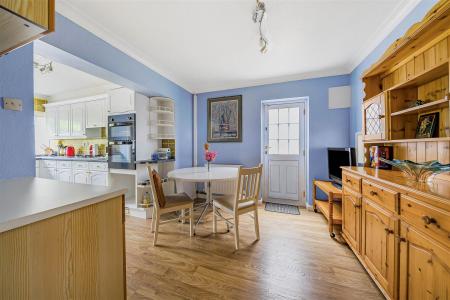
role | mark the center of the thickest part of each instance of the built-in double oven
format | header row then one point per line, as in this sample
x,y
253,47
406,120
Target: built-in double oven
x,y
122,141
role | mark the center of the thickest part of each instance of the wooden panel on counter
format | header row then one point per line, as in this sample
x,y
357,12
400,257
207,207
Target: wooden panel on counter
x,y
37,11
76,255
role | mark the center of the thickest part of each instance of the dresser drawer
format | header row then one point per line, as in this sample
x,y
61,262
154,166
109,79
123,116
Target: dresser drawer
x,y
48,163
351,181
381,195
98,166
80,165
431,220
63,164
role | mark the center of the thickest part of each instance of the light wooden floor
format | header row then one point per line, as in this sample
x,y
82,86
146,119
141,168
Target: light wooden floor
x,y
295,259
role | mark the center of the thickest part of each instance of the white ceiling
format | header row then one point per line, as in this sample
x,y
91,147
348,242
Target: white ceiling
x,y
206,45
65,81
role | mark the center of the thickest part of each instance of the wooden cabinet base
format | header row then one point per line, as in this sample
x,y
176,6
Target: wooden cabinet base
x,y
76,255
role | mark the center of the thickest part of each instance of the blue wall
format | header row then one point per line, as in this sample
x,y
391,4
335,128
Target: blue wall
x,y
91,54
357,87
17,128
327,128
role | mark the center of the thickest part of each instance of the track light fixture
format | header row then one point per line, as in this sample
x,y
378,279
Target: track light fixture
x,y
258,16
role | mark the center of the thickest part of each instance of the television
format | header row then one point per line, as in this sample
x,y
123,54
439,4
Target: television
x,y
337,158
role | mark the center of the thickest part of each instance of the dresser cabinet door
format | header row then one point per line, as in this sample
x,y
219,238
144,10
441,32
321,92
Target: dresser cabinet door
x,y
378,244
424,266
351,218
374,119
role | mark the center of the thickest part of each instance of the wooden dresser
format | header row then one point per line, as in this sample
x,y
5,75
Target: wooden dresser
x,y
399,230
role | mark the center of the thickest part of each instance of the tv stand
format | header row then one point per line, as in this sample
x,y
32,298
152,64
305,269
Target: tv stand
x,y
331,209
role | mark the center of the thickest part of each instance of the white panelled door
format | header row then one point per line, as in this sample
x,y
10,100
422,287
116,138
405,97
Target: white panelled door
x,y
284,153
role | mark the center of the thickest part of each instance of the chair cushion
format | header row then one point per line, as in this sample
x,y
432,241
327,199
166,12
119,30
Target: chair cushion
x,y
178,199
227,201
158,189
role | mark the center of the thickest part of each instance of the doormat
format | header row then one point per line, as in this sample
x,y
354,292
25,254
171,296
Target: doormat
x,y
282,208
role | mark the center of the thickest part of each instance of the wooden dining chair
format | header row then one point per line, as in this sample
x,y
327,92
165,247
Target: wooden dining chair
x,y
244,200
163,204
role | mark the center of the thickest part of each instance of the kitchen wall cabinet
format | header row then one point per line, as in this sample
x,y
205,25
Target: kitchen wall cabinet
x,y
63,121
121,100
96,114
71,118
77,120
424,266
51,117
24,21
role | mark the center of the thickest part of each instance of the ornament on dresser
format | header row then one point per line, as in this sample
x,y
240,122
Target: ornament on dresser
x,y
419,172
428,125
378,152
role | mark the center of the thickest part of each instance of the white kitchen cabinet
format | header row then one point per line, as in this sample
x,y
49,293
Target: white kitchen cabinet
x,y
64,175
77,120
63,121
99,178
81,176
96,113
51,114
49,173
121,100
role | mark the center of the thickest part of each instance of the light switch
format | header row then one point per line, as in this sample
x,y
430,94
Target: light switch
x,y
12,104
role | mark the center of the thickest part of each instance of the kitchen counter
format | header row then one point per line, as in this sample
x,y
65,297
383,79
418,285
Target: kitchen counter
x,y
152,161
28,200
74,158
60,240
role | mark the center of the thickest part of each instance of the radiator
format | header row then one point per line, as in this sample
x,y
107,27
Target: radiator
x,y
223,187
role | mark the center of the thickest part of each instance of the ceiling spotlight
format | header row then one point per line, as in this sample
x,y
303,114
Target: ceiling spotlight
x,y
258,16
43,68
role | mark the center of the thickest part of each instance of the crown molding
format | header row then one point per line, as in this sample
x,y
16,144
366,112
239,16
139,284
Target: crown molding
x,y
274,80
399,13
66,9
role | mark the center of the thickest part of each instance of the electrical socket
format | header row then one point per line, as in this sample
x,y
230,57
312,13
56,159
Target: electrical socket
x,y
12,104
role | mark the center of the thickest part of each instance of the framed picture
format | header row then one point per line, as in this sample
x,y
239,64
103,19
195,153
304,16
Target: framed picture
x,y
225,119
427,125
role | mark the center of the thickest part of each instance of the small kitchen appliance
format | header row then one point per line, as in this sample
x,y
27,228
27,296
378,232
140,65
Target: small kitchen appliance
x,y
70,151
163,153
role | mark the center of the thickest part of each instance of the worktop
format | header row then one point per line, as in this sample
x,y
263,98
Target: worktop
x,y
27,200
73,158
436,188
61,241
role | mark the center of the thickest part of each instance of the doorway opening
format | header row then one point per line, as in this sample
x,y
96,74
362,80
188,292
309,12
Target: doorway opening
x,y
284,150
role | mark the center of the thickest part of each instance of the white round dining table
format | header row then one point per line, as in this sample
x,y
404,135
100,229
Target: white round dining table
x,y
201,174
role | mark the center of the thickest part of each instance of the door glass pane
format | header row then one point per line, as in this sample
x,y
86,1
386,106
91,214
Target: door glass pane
x,y
283,147
273,131
273,146
293,147
294,115
284,115
283,132
293,131
273,116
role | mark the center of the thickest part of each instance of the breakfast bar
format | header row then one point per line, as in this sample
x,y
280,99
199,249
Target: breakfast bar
x,y
61,240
